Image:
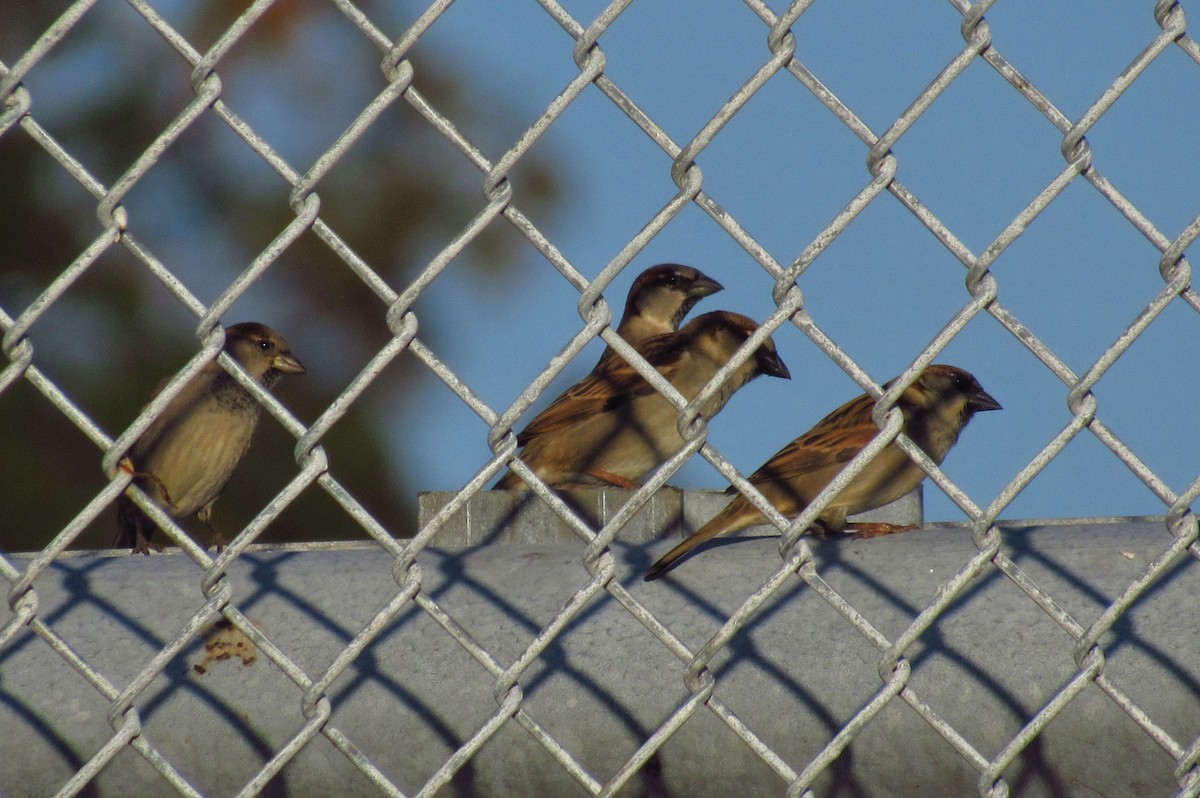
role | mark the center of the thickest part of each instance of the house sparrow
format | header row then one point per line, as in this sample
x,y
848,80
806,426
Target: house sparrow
x,y
658,300
185,457
936,407
612,427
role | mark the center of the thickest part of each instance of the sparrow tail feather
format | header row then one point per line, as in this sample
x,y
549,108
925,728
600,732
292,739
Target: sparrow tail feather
x,y
725,521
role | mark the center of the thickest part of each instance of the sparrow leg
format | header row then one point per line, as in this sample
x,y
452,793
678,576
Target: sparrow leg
x,y
610,478
866,530
215,540
142,543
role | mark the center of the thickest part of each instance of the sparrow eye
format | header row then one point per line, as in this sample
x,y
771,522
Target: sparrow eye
x,y
264,345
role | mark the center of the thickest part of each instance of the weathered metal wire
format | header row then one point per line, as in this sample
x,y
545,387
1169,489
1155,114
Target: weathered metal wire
x,y
780,58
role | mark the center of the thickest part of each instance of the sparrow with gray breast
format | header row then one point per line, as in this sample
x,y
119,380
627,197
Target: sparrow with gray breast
x,y
613,427
185,457
936,408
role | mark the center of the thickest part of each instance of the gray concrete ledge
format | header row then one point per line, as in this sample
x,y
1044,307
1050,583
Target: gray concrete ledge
x,y
518,516
794,676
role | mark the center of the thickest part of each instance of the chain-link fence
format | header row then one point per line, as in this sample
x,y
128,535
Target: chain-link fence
x,y
141,637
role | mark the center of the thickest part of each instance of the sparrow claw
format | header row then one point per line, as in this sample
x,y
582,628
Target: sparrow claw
x,y
867,530
143,546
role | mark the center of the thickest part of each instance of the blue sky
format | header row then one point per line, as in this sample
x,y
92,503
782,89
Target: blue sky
x,y
785,166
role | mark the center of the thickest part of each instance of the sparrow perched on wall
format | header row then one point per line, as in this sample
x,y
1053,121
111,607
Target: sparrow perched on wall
x,y
659,299
185,457
612,427
936,408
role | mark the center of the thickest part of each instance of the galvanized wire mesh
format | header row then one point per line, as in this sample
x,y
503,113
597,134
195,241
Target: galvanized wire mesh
x,y
779,62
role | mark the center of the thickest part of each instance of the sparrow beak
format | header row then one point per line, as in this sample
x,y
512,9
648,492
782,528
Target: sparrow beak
x,y
771,364
980,400
704,286
287,363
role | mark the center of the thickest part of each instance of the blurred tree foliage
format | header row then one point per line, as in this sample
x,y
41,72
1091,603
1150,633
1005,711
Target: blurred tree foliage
x,y
299,77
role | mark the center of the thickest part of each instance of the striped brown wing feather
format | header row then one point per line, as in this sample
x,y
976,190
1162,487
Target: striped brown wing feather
x,y
834,441
608,388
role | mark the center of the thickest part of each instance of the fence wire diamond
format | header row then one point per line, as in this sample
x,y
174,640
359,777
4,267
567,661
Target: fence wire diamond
x,y
501,205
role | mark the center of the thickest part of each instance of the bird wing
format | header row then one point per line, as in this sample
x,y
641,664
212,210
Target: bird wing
x,y
189,395
834,441
612,385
